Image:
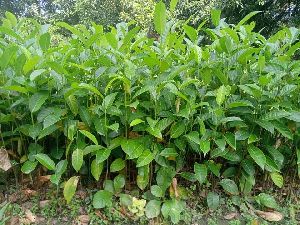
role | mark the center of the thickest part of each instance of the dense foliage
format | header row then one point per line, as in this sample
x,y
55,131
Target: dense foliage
x,y
274,14
125,108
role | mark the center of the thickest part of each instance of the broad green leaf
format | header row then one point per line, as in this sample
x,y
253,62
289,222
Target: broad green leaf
x,y
173,5
102,199
229,186
7,55
91,149
96,169
215,16
200,172
89,136
283,129
108,100
136,122
133,147
44,41
221,94
177,129
102,155
230,139
205,146
119,182
45,161
152,209
160,17
73,104
189,176
77,159
30,64
70,188
172,208
191,32
257,155
213,200
117,165
246,18
266,200
277,178
193,136
37,100
145,158
28,167
157,191
61,167
126,199
169,152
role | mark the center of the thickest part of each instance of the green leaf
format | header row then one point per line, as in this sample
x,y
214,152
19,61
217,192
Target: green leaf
x,y
215,16
45,161
205,146
173,5
119,182
193,137
230,139
28,167
108,100
37,100
126,199
229,186
252,138
266,200
155,132
191,32
173,208
117,165
145,158
221,94
44,41
157,191
277,178
36,73
152,209
61,167
102,155
96,169
160,17
213,200
169,152
102,199
257,155
70,188
136,122
200,172
133,147
246,18
73,104
77,159
89,136
177,129
283,129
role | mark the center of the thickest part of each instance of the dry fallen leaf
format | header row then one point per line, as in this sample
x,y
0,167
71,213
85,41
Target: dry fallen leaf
x,y
29,192
14,220
44,203
84,219
4,160
44,179
30,216
174,185
230,216
270,216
